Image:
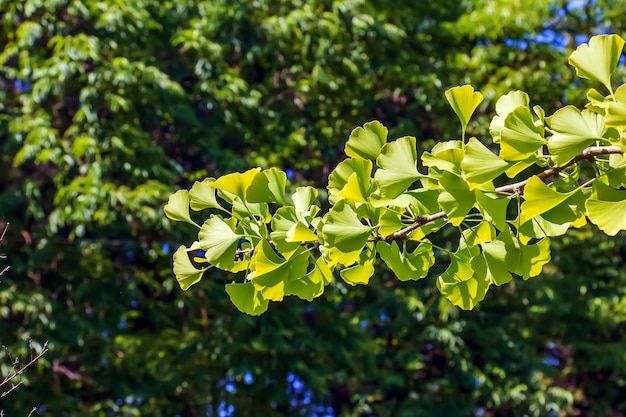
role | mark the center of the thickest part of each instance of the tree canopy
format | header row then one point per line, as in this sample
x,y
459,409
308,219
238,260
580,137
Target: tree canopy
x,y
106,107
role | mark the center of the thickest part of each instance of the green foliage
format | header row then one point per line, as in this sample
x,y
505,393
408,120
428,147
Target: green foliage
x,y
106,106
380,182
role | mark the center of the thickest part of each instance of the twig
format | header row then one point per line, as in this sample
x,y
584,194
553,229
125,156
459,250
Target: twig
x,y
20,371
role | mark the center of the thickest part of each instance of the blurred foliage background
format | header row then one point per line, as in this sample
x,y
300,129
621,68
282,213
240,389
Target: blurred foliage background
x,y
108,106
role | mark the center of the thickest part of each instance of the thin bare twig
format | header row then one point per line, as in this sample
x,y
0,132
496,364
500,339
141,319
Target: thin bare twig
x,y
15,373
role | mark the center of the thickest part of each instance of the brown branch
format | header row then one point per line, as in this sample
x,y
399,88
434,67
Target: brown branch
x,y
517,188
20,371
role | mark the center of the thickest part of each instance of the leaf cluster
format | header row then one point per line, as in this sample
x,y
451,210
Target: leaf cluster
x,y
383,205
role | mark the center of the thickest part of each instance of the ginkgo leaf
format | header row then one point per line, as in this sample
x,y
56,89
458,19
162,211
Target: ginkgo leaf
x,y
480,165
177,207
534,257
302,199
540,198
365,142
299,232
344,234
358,274
397,164
351,179
218,239
455,199
505,105
407,265
493,207
236,183
461,285
186,273
464,101
446,156
573,131
598,59
616,110
202,196
283,221
606,208
268,186
246,298
520,137
494,255
269,272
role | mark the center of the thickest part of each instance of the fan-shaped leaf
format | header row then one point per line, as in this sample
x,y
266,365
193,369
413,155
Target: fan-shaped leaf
x,y
246,298
365,142
573,131
177,207
597,59
480,165
397,167
464,101
186,273
268,186
606,208
407,265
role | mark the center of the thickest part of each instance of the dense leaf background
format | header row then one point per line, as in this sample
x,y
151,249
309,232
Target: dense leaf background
x,y
108,106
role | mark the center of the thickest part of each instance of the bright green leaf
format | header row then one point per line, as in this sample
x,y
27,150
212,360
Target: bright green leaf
x,y
505,105
456,199
365,142
397,167
606,208
268,186
186,273
464,101
573,131
597,59
218,239
480,165
177,207
246,298
358,274
344,234
407,265
202,196
236,183
520,137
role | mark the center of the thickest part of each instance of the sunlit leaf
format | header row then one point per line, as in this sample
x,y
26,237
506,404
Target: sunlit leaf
x,y
407,265
351,179
397,167
186,273
344,234
505,105
461,285
218,239
540,198
464,101
520,137
177,207
236,183
573,131
358,274
268,186
480,165
597,59
202,196
493,207
606,208
246,298
455,199
269,272
365,142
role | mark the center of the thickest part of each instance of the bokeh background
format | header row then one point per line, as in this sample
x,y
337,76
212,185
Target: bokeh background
x,y
109,106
